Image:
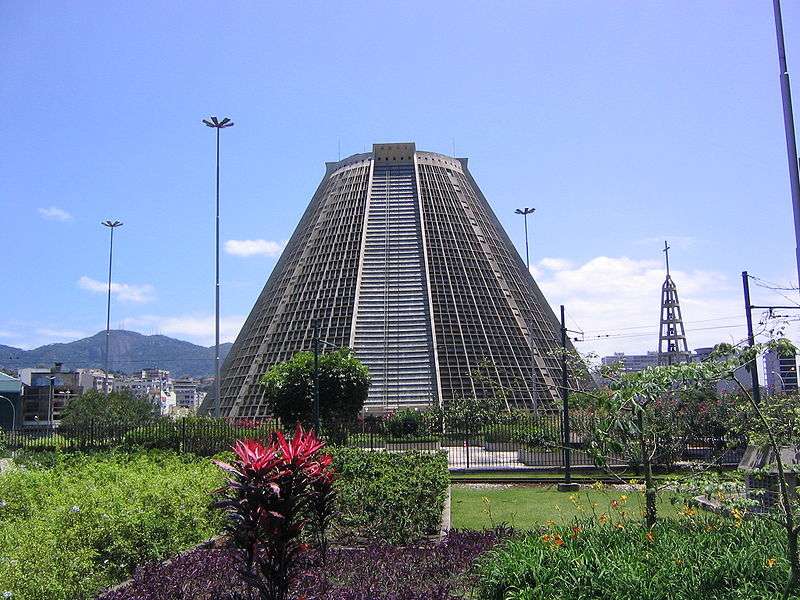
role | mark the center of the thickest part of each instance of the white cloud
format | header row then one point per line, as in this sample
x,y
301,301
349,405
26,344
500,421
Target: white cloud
x,y
53,213
254,247
616,301
555,264
125,292
197,328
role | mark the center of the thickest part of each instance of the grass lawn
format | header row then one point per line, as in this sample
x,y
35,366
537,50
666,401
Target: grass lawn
x,y
526,506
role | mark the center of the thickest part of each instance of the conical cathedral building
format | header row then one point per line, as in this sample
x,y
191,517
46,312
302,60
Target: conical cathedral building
x,y
401,258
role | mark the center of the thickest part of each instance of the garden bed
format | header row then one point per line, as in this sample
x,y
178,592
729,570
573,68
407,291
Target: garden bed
x,y
437,571
79,523
687,558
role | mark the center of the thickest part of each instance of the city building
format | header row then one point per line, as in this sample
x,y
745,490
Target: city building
x,y
186,393
45,393
631,363
10,401
155,384
92,379
780,372
400,257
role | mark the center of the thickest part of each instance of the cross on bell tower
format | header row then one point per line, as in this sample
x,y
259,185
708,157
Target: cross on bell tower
x,y
672,347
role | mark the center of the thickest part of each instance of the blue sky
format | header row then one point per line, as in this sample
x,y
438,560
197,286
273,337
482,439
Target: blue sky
x,y
623,123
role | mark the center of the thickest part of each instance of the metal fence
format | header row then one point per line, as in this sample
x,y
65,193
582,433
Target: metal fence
x,y
535,442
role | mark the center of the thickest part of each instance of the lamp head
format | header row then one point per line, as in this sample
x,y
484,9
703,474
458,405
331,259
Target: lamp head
x,y
215,123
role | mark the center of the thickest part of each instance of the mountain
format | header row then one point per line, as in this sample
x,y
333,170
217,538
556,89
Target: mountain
x,y
128,351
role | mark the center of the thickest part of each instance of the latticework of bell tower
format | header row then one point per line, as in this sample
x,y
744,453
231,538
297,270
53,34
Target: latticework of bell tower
x,y
672,347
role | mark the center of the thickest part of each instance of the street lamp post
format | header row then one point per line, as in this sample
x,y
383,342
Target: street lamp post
x,y
50,402
215,123
525,212
13,411
317,343
112,225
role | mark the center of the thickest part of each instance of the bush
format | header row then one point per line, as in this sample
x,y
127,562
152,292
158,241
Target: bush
x,y
203,436
683,559
406,424
536,437
71,530
393,497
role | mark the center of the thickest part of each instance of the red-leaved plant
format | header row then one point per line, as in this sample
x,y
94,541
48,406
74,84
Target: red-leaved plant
x,y
272,493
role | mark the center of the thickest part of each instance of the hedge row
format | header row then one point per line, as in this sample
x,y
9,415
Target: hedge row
x,y
75,523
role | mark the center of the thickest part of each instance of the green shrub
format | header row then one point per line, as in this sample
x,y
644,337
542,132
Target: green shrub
x,y
684,559
68,531
536,437
407,423
162,435
387,496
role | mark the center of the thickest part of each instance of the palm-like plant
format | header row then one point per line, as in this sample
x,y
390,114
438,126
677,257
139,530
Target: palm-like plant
x,y
271,492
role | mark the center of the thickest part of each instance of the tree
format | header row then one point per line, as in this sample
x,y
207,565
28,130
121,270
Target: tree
x,y
343,385
113,410
631,410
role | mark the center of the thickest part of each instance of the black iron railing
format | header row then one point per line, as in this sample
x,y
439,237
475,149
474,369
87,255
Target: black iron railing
x,y
534,441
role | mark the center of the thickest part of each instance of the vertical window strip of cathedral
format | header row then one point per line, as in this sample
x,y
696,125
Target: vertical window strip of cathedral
x,y
392,334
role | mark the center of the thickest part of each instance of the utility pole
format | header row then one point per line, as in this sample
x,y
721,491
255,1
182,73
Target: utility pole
x,y
217,124
788,126
748,309
566,485
112,225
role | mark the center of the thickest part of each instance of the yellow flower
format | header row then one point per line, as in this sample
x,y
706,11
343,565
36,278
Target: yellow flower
x,y
689,511
619,526
603,518
550,523
771,562
649,536
623,498
547,538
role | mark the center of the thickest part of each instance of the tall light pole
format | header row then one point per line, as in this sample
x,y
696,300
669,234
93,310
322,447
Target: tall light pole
x,y
112,225
788,126
215,123
525,212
